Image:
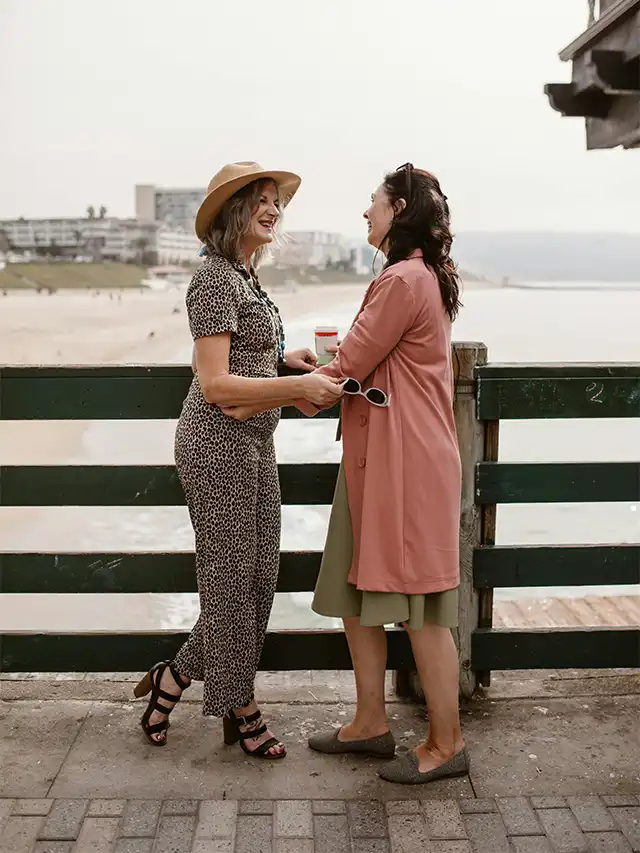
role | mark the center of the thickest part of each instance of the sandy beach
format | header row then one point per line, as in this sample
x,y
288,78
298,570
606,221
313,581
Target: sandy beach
x,y
122,327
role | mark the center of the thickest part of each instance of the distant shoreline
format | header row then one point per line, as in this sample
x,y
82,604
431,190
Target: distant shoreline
x,y
571,285
48,278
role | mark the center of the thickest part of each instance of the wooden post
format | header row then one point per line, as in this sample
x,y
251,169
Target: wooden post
x,y
471,440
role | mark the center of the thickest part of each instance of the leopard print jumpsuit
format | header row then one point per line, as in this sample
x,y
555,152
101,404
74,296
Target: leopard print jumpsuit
x,y
228,472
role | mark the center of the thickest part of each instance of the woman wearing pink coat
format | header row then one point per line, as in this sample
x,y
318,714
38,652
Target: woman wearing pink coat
x,y
391,554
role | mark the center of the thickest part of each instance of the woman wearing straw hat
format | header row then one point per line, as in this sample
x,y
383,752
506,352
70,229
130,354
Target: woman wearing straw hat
x,y
225,457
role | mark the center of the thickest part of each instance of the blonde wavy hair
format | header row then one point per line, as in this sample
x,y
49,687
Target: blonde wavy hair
x,y
225,233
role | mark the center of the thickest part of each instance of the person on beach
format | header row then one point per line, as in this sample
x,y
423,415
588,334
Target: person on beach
x,y
225,457
391,554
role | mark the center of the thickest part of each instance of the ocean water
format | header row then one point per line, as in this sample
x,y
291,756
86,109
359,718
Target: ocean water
x,y
518,325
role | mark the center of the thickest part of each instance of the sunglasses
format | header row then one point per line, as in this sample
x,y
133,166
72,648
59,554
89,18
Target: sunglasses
x,y
407,168
372,395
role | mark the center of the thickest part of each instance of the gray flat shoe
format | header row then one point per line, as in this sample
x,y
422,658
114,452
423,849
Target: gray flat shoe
x,y
383,746
404,770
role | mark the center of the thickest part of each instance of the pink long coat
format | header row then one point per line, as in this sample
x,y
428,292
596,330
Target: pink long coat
x,y
401,463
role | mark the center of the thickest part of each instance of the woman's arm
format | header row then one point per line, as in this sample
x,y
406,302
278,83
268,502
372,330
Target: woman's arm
x,y
308,408
243,413
376,331
222,388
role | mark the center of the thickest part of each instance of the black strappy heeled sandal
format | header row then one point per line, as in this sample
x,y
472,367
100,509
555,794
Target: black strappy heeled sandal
x,y
151,684
232,734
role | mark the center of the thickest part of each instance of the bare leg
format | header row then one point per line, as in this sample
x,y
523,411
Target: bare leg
x,y
368,647
437,660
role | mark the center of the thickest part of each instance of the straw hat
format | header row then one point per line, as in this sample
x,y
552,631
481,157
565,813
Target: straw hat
x,y
234,177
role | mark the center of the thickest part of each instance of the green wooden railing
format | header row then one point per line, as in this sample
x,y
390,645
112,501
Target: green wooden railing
x,y
519,392
488,394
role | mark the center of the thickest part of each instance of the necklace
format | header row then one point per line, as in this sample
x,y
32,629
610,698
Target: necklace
x,y
274,312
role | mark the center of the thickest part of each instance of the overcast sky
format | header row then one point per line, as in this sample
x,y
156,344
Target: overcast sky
x,y
97,96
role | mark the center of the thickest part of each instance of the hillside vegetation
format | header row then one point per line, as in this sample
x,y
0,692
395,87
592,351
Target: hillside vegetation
x,y
60,275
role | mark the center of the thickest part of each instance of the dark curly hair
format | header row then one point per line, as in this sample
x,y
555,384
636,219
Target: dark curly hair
x,y
424,224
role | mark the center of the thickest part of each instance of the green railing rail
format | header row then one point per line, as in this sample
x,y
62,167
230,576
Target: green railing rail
x,y
567,391
487,394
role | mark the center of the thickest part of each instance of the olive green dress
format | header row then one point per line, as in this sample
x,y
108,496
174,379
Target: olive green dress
x,y
336,597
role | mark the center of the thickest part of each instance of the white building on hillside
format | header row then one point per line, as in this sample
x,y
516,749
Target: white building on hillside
x,y
318,249
176,208
106,239
361,256
175,246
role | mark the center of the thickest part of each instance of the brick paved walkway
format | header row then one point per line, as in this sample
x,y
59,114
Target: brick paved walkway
x,y
509,825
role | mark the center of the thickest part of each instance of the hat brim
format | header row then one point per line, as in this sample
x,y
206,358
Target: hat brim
x,y
287,183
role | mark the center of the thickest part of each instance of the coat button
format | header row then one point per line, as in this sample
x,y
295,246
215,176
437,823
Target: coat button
x,y
362,462
363,420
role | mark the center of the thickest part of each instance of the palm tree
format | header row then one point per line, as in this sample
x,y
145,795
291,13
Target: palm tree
x,y
103,211
91,212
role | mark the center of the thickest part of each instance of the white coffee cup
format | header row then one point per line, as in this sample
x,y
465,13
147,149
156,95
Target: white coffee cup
x,y
326,336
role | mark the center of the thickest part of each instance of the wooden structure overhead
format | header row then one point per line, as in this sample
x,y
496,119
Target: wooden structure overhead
x,y
605,81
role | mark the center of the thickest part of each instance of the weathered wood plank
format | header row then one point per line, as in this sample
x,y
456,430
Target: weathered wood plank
x,y
96,371
93,397
132,573
156,392
556,565
558,370
558,648
618,69
283,651
555,397
100,393
608,611
557,482
147,485
492,649
571,100
471,438
613,18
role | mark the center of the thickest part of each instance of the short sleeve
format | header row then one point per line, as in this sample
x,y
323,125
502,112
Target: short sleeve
x,y
212,301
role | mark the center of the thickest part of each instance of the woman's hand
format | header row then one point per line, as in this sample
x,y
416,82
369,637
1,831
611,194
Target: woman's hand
x,y
322,391
239,413
334,350
301,359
